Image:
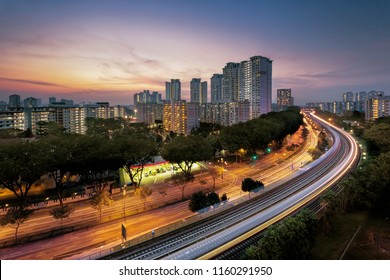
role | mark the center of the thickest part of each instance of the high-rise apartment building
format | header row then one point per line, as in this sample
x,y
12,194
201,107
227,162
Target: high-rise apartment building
x,y
377,107
70,118
284,99
203,95
167,91
193,116
52,100
261,95
173,90
149,107
148,113
230,82
195,90
348,96
175,116
13,119
147,97
226,113
3,106
14,101
249,80
216,88
245,81
68,102
198,91
30,102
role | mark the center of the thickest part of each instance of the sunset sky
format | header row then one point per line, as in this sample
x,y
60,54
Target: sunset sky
x,y
109,50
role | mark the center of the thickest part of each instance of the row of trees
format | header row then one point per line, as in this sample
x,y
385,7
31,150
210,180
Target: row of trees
x,y
200,200
96,158
291,239
256,134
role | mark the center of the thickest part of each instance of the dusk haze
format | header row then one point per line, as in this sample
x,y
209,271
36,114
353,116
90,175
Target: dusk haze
x,y
109,50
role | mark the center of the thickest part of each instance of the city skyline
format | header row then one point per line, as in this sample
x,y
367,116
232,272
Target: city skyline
x,y
97,50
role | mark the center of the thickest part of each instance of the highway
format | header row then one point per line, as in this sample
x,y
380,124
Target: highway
x,y
214,235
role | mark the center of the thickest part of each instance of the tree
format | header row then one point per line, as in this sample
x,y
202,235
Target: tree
x,y
214,173
45,129
98,160
198,201
224,197
10,133
314,152
181,181
144,193
186,150
21,166
103,127
213,198
329,202
377,137
163,193
61,212
15,217
99,201
248,184
58,155
202,183
137,148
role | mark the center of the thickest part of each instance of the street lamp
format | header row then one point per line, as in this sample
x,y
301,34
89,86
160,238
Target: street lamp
x,y
124,202
222,168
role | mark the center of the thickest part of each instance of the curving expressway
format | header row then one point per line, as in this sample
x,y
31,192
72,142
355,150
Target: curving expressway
x,y
217,234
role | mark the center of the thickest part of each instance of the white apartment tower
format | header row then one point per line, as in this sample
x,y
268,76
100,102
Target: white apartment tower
x,y
249,80
261,96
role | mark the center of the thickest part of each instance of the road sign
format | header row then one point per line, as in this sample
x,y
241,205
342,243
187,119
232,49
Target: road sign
x,y
124,232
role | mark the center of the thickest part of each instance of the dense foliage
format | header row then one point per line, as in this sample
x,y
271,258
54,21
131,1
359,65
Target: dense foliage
x,y
200,200
186,150
248,184
291,239
258,133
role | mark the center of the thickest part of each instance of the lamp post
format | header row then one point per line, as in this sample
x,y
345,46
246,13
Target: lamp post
x,y
124,202
222,168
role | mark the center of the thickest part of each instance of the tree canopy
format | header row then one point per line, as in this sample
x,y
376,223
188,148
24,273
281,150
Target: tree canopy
x,y
291,239
186,150
258,133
